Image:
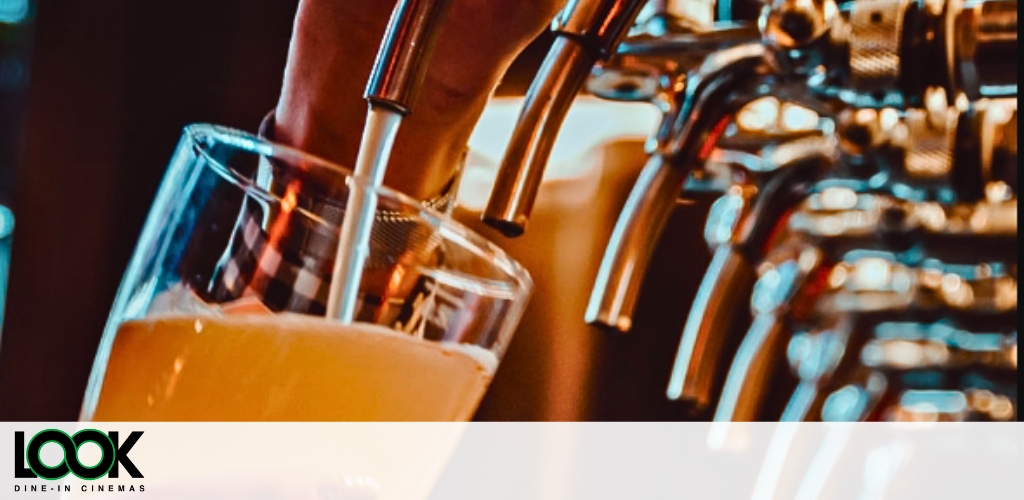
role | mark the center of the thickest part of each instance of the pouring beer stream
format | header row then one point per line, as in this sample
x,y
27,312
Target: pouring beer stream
x,y
392,89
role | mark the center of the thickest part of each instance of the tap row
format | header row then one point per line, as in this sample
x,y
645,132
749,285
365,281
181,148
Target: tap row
x,y
864,151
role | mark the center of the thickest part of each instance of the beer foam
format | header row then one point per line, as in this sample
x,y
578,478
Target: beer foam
x,y
487,360
484,357
179,300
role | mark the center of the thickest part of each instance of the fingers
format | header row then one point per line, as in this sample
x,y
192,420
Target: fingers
x,y
333,47
321,108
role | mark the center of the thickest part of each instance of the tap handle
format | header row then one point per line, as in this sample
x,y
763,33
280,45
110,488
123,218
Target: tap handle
x,y
405,50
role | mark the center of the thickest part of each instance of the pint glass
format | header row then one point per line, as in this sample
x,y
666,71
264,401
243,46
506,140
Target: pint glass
x,y
221,313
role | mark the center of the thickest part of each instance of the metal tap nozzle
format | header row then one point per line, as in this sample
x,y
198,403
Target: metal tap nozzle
x,y
402,61
639,227
746,385
632,243
694,374
588,31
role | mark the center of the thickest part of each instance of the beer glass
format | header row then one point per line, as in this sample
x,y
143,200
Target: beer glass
x,y
221,313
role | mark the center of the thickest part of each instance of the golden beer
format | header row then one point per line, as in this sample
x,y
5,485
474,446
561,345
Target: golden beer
x,y
286,368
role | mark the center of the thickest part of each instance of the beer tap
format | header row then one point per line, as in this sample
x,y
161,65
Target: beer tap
x,y
797,273
587,31
788,280
785,170
681,139
657,70
803,37
837,219
707,333
885,52
690,72
800,39
879,147
894,334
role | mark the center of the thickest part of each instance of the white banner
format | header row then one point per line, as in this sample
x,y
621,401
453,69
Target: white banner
x,y
416,461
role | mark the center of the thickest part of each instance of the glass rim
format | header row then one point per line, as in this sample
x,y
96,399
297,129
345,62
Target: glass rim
x,y
245,141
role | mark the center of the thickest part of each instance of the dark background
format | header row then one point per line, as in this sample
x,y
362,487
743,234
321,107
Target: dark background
x,y
112,84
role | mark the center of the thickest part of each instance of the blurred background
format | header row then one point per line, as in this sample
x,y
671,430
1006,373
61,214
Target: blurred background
x,y
93,97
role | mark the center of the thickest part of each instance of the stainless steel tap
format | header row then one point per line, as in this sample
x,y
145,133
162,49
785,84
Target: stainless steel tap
x,y
783,284
840,220
711,320
587,31
888,331
404,54
925,162
884,52
840,343
648,70
799,282
868,65
683,132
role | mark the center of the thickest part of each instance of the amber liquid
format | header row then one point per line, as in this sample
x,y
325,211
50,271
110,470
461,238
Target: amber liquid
x,y
282,368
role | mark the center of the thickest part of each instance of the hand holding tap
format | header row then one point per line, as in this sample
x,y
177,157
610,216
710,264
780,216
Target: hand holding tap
x,y
321,108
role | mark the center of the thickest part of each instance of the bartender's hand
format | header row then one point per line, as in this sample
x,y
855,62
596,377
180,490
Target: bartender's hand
x,y
321,109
